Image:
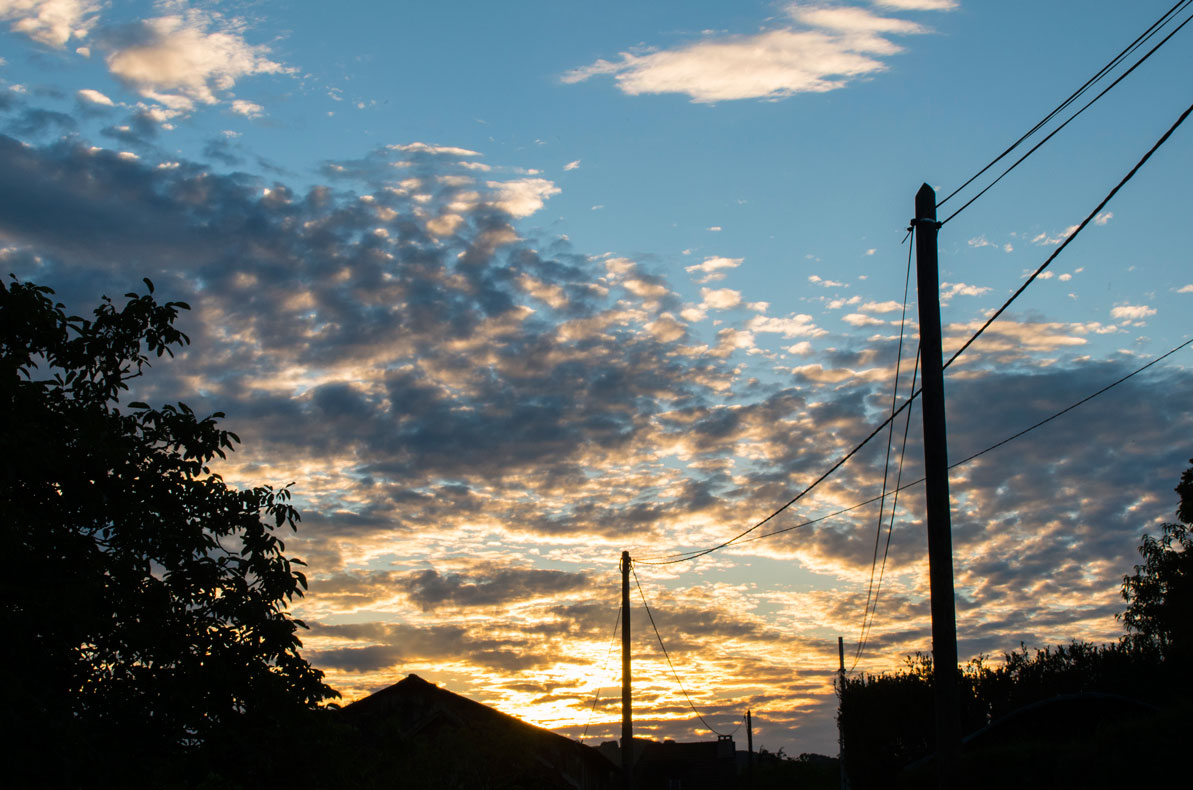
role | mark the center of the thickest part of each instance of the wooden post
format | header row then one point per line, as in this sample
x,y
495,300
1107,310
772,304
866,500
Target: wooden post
x,y
936,471
840,700
749,750
627,723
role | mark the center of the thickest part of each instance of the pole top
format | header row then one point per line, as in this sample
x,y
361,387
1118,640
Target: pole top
x,y
624,565
925,203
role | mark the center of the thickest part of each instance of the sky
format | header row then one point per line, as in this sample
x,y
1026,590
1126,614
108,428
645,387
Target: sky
x,y
507,289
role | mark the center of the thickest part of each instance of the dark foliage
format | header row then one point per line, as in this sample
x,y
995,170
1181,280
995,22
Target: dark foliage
x,y
1040,706
1076,715
1159,593
777,771
143,606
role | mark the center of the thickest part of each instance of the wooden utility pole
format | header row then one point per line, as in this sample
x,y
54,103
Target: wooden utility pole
x,y
627,723
841,699
936,471
750,749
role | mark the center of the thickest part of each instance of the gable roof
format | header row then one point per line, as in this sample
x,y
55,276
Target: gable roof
x,y
462,736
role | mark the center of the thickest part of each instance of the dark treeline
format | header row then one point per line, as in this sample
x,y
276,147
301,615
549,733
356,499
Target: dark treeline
x,y
1077,715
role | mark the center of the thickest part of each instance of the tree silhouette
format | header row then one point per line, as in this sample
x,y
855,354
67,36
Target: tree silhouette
x,y
1159,593
143,600
1077,715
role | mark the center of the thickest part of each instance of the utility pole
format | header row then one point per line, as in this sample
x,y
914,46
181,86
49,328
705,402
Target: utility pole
x,y
627,723
749,750
841,698
936,471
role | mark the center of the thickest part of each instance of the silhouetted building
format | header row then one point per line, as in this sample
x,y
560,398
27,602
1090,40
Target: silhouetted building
x,y
703,765
426,736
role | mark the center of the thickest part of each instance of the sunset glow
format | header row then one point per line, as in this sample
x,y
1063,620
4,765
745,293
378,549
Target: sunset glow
x,y
506,293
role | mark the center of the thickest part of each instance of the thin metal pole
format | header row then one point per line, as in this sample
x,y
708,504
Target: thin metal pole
x,y
936,471
627,723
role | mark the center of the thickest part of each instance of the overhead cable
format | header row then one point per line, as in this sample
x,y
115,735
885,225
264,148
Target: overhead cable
x,y
671,559
868,625
742,538
695,554
674,674
597,697
1074,234
980,453
1063,125
1143,38
887,460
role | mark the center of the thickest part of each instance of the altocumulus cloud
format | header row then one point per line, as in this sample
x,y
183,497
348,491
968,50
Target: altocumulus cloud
x,y
479,421
175,61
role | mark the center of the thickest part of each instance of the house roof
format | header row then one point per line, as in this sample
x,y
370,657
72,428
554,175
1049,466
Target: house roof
x,y
461,731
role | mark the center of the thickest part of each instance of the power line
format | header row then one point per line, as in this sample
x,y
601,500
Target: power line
x,y
980,453
671,559
1075,405
741,538
597,697
1073,235
674,674
1072,97
898,488
1114,62
867,626
691,555
889,436
1071,118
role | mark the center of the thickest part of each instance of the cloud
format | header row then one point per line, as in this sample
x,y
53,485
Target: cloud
x,y
431,590
949,290
1104,217
918,5
861,319
1010,341
1131,312
34,122
1185,289
1045,240
183,60
720,298
982,241
795,325
524,196
51,22
821,48
573,165
95,97
479,420
816,279
713,268
434,150
247,108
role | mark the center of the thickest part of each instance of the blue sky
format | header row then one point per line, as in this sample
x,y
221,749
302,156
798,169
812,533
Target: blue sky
x,y
507,289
